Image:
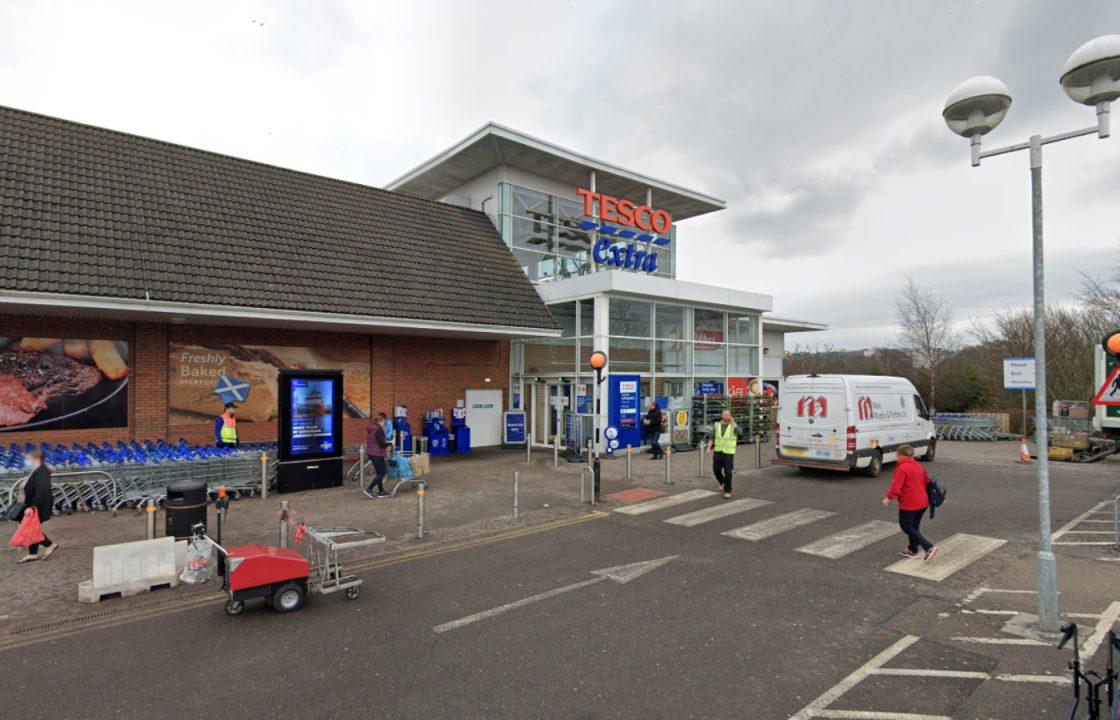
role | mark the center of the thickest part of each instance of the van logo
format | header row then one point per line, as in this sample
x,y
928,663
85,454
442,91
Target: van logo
x,y
812,407
864,408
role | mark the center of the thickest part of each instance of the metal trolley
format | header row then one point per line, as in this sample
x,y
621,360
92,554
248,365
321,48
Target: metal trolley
x,y
327,574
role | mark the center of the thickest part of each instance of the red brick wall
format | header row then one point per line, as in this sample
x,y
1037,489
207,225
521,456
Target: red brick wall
x,y
422,373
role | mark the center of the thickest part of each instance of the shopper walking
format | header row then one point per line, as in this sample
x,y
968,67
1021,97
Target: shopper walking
x,y
908,487
652,425
721,446
37,495
225,427
376,450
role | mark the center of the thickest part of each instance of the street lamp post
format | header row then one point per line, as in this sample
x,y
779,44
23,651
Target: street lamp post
x,y
1091,76
597,361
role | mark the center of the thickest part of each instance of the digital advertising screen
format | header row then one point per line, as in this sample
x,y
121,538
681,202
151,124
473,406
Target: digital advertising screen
x,y
311,417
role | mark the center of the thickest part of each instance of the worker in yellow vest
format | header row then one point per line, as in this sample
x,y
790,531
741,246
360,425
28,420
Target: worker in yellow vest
x,y
225,427
721,446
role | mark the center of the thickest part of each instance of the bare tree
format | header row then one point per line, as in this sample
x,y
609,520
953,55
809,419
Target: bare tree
x,y
927,333
1100,295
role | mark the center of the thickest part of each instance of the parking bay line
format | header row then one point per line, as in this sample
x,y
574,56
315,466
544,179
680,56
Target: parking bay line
x,y
1073,523
775,525
665,502
848,541
716,512
817,707
957,552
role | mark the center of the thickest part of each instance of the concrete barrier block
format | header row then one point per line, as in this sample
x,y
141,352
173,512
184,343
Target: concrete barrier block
x,y
131,568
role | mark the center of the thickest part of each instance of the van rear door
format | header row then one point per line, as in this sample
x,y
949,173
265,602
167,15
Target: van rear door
x,y
813,419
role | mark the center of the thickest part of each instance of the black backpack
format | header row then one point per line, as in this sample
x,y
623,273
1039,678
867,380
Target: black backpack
x,y
936,493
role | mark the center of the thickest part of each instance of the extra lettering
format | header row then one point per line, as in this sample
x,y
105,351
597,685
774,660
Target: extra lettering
x,y
629,257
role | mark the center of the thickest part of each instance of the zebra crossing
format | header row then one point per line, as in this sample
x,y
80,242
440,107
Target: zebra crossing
x,y
957,551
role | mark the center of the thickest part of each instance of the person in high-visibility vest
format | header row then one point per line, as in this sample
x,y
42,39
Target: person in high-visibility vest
x,y
225,427
721,446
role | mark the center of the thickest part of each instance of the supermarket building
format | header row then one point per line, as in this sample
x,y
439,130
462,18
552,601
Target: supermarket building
x,y
485,275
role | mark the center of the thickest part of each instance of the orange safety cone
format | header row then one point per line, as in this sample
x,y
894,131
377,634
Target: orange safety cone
x,y
1024,452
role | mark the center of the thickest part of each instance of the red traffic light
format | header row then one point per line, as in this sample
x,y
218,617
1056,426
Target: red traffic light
x,y
597,360
1111,343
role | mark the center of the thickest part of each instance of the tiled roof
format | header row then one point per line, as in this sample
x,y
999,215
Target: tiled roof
x,y
89,211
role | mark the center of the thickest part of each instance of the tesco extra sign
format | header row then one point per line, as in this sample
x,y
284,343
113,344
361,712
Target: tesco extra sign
x,y
655,225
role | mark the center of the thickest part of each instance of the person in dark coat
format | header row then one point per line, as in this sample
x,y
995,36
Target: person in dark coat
x,y
37,494
652,425
377,451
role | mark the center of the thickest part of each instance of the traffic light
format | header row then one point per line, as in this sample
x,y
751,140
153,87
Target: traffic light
x,y
1111,343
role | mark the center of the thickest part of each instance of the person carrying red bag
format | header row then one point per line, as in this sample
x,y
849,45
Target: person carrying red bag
x,y
37,508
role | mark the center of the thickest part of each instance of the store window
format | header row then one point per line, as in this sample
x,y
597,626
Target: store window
x,y
629,355
535,265
532,204
670,322
587,317
708,326
710,359
742,360
671,356
565,316
549,357
630,318
532,235
742,329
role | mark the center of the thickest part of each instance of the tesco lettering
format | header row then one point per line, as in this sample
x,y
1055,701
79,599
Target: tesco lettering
x,y
625,212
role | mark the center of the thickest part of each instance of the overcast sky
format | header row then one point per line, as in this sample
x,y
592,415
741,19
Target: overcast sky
x,y
818,122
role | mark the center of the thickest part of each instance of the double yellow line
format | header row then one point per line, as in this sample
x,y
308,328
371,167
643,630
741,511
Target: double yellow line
x,y
73,626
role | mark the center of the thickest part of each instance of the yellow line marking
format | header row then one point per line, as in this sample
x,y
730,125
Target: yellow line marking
x,y
35,638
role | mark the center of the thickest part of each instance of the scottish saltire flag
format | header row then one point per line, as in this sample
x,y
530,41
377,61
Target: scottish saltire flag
x,y
231,389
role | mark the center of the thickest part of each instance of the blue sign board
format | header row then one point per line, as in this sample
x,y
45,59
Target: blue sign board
x,y
624,408
514,427
709,387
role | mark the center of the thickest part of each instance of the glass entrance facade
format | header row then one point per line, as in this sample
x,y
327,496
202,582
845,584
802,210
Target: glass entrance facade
x,y
676,349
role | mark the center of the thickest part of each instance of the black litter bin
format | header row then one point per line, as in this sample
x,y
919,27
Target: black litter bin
x,y
185,506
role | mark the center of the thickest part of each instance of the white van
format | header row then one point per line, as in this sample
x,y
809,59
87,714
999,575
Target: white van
x,y
850,422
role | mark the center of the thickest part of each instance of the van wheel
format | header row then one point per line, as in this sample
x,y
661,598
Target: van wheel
x,y
931,451
875,466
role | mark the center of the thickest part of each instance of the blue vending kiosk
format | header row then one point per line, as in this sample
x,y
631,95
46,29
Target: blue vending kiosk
x,y
460,431
624,409
439,439
401,429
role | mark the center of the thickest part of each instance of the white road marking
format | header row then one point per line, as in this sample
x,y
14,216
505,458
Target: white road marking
x,y
817,707
1067,543
665,502
957,552
716,512
1056,679
1014,613
1108,619
1000,641
620,574
1073,523
1109,559
876,715
848,541
971,675
917,672
1091,532
775,525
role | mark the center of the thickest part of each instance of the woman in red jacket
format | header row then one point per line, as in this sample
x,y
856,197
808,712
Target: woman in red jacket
x,y
909,488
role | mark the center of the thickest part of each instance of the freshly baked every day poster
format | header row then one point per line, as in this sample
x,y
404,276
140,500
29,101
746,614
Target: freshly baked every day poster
x,y
196,369
62,383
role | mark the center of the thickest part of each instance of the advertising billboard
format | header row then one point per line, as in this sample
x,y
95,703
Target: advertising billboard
x,y
63,383
311,415
197,373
